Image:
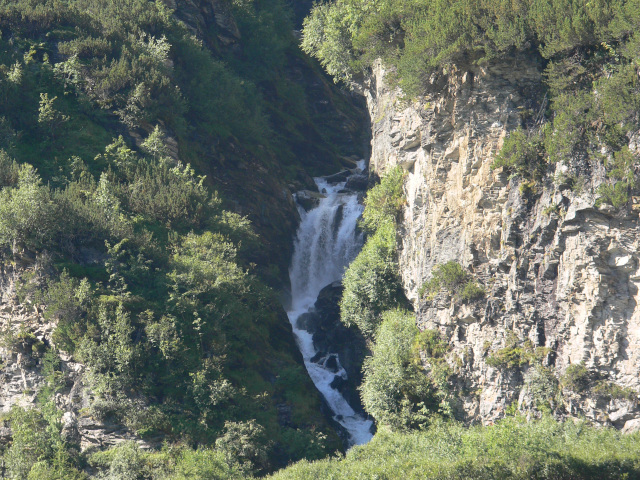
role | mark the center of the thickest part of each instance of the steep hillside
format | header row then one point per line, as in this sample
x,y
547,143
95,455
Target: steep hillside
x,y
559,274
148,152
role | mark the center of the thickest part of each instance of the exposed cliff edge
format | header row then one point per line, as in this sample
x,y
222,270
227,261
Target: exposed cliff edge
x,y
561,276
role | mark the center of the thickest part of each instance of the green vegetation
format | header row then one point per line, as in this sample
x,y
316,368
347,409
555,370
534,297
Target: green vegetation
x,y
111,114
179,318
542,385
372,283
513,449
575,378
454,280
579,380
119,118
516,354
611,390
621,169
384,201
396,391
521,154
589,51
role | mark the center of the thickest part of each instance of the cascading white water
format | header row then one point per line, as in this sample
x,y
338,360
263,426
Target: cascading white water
x,y
327,241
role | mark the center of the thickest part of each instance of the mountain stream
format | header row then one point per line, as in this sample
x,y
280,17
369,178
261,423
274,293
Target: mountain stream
x,y
326,242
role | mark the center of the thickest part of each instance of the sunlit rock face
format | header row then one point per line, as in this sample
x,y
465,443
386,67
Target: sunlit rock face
x,y
559,273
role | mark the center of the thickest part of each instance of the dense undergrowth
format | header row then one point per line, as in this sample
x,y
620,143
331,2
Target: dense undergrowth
x,y
123,243
512,449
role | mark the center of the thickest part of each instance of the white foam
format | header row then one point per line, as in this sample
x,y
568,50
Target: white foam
x,y
327,241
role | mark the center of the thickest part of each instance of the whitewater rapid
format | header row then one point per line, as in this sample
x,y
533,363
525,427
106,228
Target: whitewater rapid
x,y
326,242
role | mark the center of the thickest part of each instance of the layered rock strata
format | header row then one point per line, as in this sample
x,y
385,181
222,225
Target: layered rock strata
x,y
561,276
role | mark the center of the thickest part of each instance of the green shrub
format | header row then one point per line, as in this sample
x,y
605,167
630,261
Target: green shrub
x,y
244,443
67,302
201,464
614,391
515,355
384,201
431,343
449,276
9,171
521,153
551,210
453,279
542,385
511,449
327,36
621,170
28,214
371,283
37,450
575,378
472,291
395,390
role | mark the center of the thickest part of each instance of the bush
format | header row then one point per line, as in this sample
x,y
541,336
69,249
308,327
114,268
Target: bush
x,y
614,391
371,283
521,153
37,451
621,170
9,171
511,449
431,344
395,390
67,302
542,385
515,355
575,378
453,279
472,291
384,202
28,214
244,443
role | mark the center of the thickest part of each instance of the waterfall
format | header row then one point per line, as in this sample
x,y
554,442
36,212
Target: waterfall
x,y
327,241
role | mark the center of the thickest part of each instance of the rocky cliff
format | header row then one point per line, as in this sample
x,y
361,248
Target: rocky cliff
x,y
560,275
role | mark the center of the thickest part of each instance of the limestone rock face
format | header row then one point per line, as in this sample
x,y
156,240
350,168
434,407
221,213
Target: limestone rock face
x,y
561,276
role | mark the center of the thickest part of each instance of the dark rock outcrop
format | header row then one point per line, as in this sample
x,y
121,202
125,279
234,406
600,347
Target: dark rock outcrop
x,y
337,345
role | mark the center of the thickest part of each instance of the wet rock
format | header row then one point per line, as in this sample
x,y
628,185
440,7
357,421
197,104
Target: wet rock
x,y
330,335
338,383
331,364
318,357
338,177
358,182
308,321
308,199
